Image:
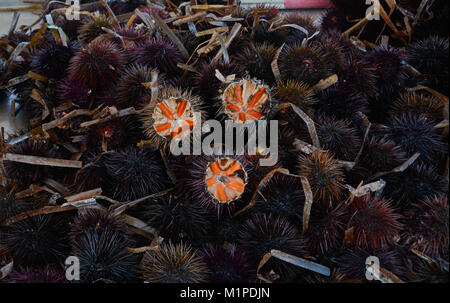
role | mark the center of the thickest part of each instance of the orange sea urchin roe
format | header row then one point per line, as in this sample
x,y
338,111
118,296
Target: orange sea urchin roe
x,y
246,100
225,179
174,118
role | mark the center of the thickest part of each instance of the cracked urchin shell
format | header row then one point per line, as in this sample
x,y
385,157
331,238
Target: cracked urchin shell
x,y
227,265
38,241
420,105
375,222
100,240
174,263
257,60
207,86
324,174
158,53
130,90
304,63
27,174
427,226
173,115
133,173
263,232
246,100
417,134
52,60
96,65
216,181
178,218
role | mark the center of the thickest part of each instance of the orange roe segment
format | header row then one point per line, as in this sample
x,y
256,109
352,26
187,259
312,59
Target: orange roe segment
x,y
166,111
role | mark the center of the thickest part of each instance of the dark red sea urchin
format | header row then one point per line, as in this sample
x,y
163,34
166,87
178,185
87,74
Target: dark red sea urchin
x,y
227,265
96,65
388,65
375,222
427,226
431,57
353,261
131,90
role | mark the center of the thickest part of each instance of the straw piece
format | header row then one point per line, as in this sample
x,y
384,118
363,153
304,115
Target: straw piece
x,y
309,123
308,203
297,261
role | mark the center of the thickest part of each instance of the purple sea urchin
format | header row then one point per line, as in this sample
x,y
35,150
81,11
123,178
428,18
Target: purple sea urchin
x,y
157,53
427,226
53,59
